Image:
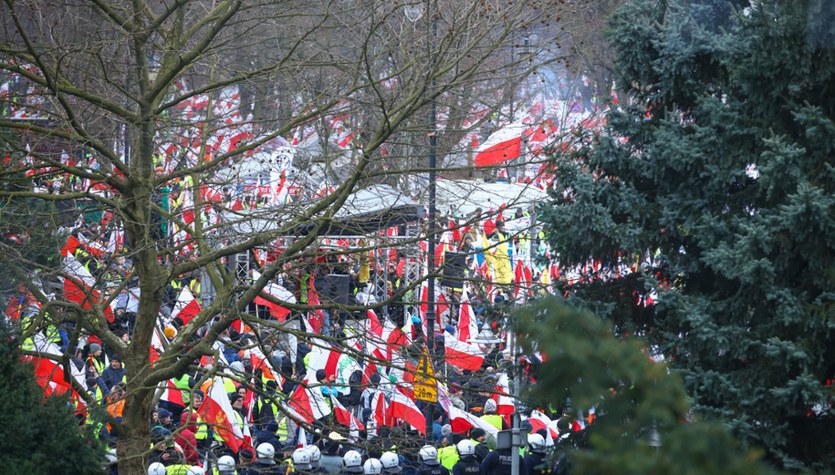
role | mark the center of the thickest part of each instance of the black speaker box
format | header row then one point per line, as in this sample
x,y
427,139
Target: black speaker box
x,y
452,274
336,289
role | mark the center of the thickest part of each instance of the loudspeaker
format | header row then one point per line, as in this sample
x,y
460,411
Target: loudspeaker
x,y
452,274
336,289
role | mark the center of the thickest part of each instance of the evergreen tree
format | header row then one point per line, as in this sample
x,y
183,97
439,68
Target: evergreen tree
x,y
40,435
715,186
640,403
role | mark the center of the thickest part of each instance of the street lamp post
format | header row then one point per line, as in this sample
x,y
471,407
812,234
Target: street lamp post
x,y
414,13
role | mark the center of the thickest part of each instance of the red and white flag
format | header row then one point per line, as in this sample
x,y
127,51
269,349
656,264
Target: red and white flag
x,y
95,248
504,403
374,325
172,394
467,325
260,361
78,287
277,292
186,307
462,421
502,146
380,416
315,319
403,408
461,354
308,404
346,418
217,412
322,356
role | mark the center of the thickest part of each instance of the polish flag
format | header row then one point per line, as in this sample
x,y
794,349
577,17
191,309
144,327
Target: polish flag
x,y
277,292
406,410
50,376
503,145
504,403
523,280
186,307
380,415
461,354
156,346
217,412
78,287
441,307
462,421
70,246
301,439
374,325
115,241
345,417
260,361
172,394
95,248
315,317
322,356
467,325
308,404
538,421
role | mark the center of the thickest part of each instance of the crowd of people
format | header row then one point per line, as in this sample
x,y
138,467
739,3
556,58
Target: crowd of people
x,y
262,370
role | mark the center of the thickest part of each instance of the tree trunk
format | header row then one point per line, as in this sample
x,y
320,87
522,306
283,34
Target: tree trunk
x,y
135,432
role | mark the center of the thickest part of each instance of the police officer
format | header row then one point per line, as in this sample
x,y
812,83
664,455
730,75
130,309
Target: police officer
x,y
498,462
535,463
391,463
467,464
429,464
351,463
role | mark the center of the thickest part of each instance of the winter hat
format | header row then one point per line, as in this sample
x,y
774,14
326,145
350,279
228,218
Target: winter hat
x,y
95,348
163,413
490,406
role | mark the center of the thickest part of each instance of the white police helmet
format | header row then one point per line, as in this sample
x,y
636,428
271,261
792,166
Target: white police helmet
x,y
390,462
372,466
265,451
465,447
428,455
156,468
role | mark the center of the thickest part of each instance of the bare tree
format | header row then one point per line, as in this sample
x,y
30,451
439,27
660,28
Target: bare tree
x,y
138,95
